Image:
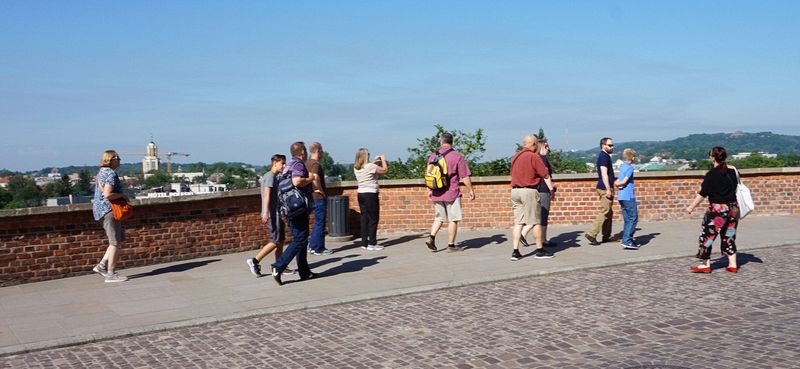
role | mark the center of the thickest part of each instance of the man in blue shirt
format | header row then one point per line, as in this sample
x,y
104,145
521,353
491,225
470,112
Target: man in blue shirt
x,y
605,193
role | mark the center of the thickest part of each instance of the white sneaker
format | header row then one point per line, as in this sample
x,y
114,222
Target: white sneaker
x,y
100,270
113,278
374,247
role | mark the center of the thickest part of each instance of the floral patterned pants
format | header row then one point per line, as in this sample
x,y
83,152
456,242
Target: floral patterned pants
x,y
720,219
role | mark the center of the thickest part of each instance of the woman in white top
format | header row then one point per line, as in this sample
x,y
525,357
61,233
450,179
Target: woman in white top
x,y
367,174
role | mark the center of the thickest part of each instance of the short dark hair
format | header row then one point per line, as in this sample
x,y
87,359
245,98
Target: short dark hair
x,y
278,157
446,137
297,148
604,140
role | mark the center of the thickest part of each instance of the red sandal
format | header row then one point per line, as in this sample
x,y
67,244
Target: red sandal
x,y
701,269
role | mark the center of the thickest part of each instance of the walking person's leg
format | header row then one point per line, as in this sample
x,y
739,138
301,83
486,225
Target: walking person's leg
x,y
728,237
374,217
609,218
712,222
299,241
599,219
362,207
301,235
116,238
317,241
453,217
439,215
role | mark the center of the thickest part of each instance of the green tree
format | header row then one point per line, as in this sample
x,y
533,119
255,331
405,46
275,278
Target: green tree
x,y
157,178
5,198
59,188
564,164
471,144
84,185
24,193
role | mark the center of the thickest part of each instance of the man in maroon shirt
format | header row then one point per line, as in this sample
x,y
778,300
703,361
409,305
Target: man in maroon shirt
x,y
527,171
447,201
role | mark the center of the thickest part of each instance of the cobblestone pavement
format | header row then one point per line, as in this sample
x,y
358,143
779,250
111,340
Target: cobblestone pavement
x,y
649,315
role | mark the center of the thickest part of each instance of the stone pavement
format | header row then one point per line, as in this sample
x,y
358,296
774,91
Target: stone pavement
x,y
646,315
658,296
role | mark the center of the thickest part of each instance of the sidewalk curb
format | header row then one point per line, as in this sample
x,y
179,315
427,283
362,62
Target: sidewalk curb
x,y
90,338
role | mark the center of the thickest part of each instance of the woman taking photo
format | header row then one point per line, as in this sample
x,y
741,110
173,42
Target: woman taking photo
x,y
108,187
367,174
722,215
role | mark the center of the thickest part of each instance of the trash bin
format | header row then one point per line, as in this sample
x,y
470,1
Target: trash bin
x,y
338,207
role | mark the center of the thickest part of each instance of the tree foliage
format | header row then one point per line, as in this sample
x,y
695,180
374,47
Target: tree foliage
x,y
24,193
754,161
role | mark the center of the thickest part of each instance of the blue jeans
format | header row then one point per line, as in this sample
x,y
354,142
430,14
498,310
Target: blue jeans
x,y
630,213
297,248
317,242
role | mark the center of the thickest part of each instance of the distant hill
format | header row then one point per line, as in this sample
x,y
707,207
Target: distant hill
x,y
132,169
696,146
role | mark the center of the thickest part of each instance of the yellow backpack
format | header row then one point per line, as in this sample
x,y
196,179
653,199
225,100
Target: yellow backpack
x,y
436,175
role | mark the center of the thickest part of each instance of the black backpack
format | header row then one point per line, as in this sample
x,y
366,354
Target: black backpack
x,y
293,202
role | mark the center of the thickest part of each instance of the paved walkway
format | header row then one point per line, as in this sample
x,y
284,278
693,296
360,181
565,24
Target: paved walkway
x,y
84,309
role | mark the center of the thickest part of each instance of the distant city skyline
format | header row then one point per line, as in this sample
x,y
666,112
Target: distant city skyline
x,y
238,82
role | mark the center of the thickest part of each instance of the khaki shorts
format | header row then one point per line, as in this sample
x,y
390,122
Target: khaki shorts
x,y
447,211
113,230
525,203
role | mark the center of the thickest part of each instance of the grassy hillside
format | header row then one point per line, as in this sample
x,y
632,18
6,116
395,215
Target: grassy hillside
x,y
694,147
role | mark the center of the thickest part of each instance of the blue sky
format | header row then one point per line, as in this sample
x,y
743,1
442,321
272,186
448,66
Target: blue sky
x,y
241,80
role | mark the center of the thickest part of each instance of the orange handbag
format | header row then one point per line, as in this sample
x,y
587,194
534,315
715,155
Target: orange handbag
x,y
121,209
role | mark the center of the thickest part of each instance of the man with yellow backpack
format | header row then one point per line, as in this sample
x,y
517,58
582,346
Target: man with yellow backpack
x,y
445,169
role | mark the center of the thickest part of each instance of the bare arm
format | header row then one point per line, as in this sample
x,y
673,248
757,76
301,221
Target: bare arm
x,y
318,185
265,204
695,202
109,194
468,183
302,182
384,165
604,175
621,182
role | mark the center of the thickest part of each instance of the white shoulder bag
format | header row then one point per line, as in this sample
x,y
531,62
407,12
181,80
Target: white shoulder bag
x,y
743,197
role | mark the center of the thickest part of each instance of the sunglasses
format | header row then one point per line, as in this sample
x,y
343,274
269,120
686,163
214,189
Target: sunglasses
x,y
610,145
115,158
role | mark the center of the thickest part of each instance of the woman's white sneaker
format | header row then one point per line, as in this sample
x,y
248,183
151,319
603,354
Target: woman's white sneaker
x,y
113,278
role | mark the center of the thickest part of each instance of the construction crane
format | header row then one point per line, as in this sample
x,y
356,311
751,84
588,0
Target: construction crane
x,y
169,159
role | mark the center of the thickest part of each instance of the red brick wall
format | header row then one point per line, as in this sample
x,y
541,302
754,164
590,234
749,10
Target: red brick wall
x,y
47,243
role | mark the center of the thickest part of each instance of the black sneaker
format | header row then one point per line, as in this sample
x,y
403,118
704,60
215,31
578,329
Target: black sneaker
x,y
276,274
523,241
542,254
431,243
454,248
311,275
254,267
515,255
592,240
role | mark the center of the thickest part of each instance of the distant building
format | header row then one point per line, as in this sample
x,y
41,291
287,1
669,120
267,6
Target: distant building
x,y
150,161
4,182
743,155
67,200
190,176
184,189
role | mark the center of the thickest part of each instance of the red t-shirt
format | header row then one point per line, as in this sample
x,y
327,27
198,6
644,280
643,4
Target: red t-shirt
x,y
527,169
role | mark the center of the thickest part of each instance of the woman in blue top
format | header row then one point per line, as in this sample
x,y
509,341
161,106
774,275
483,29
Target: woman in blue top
x,y
108,187
627,199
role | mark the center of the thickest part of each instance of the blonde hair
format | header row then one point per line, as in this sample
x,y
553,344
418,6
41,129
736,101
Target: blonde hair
x,y
362,155
628,154
108,155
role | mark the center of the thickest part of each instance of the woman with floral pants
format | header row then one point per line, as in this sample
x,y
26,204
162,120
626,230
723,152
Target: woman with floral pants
x,y
722,216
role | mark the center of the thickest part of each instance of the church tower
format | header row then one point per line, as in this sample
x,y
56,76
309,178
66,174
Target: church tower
x,y
151,161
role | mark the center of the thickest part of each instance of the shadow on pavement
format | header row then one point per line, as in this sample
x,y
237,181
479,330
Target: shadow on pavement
x,y
399,240
563,241
742,258
644,239
328,260
352,266
177,268
477,243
